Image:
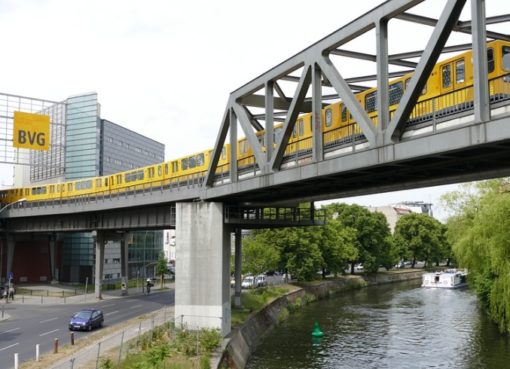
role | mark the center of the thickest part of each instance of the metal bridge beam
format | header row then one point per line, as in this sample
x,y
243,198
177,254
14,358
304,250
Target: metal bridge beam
x,y
439,36
480,72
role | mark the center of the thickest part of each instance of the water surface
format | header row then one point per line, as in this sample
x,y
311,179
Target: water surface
x,y
392,326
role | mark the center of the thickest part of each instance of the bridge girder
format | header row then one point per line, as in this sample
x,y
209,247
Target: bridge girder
x,y
255,93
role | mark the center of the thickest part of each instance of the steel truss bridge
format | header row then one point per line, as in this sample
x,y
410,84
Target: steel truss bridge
x,y
469,142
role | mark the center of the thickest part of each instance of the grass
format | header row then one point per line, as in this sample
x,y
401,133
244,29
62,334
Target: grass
x,y
254,300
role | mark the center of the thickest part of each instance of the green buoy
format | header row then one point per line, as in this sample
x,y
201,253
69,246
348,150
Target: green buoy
x,y
316,330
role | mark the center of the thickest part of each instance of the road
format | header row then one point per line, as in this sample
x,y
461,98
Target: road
x,y
41,324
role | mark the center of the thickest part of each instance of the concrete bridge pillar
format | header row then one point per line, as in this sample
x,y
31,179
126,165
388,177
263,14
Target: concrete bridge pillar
x,y
238,265
202,288
124,261
52,241
11,244
100,241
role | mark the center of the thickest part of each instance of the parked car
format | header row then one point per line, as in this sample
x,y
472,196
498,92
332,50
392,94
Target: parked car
x,y
260,281
86,319
248,282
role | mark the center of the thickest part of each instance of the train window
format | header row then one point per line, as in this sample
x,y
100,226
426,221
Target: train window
x,y
329,117
184,164
371,101
160,170
344,113
490,60
460,71
52,188
506,57
192,162
58,188
106,182
83,185
135,176
166,168
69,187
150,172
446,72
395,92
99,183
119,178
175,166
39,190
200,160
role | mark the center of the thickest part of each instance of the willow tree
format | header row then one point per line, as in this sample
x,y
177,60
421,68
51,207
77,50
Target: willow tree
x,y
481,235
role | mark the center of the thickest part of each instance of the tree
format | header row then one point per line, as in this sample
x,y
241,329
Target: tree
x,y
258,255
372,234
161,267
337,245
481,235
421,237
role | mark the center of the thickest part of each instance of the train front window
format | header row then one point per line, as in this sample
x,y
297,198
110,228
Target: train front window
x,y
490,60
446,73
506,58
460,71
184,164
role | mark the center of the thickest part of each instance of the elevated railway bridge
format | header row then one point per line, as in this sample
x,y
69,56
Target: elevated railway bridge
x,y
417,143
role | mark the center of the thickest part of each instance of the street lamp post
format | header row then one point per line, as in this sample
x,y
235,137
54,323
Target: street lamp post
x,y
12,203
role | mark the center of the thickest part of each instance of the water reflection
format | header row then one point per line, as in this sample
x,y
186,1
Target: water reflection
x,y
393,326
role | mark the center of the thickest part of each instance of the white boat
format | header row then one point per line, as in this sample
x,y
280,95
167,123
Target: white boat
x,y
450,278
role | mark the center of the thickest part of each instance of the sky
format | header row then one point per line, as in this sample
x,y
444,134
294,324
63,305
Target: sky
x,y
166,68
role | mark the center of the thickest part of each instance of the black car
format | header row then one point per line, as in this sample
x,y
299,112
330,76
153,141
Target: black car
x,y
86,319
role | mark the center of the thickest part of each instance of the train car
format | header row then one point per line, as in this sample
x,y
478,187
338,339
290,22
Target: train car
x,y
448,90
139,178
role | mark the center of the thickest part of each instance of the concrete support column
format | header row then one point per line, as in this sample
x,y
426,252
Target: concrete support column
x,y
238,267
202,288
11,244
124,261
99,240
52,240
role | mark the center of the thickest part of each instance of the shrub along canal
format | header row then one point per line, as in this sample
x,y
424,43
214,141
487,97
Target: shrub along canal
x,y
390,326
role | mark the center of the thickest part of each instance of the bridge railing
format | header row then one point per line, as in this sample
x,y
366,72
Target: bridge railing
x,y
288,216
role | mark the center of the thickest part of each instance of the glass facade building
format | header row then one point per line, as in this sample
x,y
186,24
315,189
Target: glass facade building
x,y
96,147
82,137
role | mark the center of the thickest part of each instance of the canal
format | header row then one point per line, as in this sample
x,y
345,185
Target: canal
x,y
390,326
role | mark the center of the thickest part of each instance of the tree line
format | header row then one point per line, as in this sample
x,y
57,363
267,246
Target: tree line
x,y
352,235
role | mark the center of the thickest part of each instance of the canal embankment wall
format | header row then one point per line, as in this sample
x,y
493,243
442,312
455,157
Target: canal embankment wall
x,y
243,340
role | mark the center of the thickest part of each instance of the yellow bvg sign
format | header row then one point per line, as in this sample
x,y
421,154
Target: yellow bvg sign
x,y
31,131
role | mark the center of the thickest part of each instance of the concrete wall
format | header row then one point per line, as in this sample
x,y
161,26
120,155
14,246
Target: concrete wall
x,y
202,270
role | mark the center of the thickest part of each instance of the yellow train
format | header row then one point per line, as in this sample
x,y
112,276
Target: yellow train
x,y
449,89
